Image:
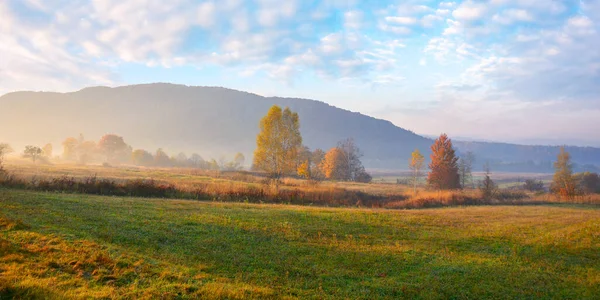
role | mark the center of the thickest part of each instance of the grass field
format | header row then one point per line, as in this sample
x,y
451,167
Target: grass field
x,y
71,246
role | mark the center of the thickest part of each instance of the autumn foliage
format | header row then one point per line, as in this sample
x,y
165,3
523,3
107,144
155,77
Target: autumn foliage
x,y
279,142
444,165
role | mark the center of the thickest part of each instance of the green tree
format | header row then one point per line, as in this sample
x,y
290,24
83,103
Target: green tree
x,y
416,164
278,143
563,183
443,167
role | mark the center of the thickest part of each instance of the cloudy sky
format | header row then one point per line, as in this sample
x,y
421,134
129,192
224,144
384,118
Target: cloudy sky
x,y
509,70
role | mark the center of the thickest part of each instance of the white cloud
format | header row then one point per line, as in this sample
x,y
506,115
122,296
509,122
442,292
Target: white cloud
x,y
206,14
401,20
470,11
401,30
511,16
353,19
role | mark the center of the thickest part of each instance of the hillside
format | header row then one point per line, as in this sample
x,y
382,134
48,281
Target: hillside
x,y
216,121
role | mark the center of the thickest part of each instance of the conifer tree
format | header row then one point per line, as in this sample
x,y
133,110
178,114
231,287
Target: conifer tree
x,y
444,168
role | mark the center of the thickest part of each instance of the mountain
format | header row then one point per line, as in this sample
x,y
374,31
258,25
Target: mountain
x,y
216,121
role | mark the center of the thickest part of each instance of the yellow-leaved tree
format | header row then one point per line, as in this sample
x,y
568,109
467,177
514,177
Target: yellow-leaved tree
x,y
563,183
278,143
416,164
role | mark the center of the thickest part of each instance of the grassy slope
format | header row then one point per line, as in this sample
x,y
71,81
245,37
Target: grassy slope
x,y
54,245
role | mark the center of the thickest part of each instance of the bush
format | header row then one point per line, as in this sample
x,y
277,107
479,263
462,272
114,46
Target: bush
x,y
533,185
587,183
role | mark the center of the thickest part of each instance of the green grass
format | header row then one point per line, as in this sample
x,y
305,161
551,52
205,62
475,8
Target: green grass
x,y
71,246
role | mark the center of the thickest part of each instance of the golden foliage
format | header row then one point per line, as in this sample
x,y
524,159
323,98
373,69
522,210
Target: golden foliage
x,y
279,142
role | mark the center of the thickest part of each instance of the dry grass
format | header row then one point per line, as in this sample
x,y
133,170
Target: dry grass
x,y
255,188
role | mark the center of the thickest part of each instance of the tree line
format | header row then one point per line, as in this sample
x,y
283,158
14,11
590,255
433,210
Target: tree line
x,y
447,171
112,149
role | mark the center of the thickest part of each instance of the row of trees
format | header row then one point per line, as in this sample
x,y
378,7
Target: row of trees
x,y
448,171
280,152
112,149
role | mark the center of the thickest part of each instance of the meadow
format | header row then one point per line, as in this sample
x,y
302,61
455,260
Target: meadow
x,y
60,246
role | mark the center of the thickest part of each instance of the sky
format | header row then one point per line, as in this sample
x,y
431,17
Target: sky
x,y
504,70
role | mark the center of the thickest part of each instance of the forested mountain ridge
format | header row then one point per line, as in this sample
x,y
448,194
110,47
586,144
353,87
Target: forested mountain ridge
x,y
216,121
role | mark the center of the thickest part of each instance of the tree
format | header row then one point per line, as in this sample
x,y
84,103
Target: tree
x,y
4,149
32,152
70,146
317,158
465,166
343,163
487,186
563,183
47,150
416,164
278,142
86,151
333,165
196,160
111,145
181,160
141,157
238,161
161,159
304,168
588,183
351,155
443,165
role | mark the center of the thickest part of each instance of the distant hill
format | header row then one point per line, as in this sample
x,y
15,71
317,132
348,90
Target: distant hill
x,y
214,121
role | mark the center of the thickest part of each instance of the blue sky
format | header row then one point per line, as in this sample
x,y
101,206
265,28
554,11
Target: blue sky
x,y
509,70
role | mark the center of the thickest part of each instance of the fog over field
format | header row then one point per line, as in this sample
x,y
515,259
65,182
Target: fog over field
x,y
216,121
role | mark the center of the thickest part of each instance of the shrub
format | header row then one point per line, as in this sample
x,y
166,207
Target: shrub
x,y
533,185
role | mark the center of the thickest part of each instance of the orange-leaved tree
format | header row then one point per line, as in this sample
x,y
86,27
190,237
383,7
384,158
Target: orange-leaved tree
x,y
444,168
334,165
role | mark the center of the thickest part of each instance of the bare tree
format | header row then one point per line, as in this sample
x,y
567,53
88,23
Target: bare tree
x,y
465,167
